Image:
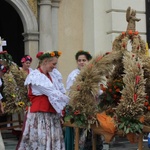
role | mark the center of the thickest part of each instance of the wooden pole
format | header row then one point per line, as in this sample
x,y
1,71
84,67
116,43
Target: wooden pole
x,y
76,138
140,142
94,141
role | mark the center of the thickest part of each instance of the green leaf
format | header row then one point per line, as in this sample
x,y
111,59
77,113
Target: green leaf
x,y
67,118
121,125
127,131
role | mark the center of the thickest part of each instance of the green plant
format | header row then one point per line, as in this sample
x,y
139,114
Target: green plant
x,y
77,117
129,125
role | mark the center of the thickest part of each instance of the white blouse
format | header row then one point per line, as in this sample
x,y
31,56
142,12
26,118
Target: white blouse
x,y
71,78
41,85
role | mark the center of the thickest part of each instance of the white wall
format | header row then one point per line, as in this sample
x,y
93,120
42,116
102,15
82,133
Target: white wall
x,y
108,20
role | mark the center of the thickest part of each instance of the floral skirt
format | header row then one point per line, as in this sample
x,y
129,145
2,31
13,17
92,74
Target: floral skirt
x,y
42,131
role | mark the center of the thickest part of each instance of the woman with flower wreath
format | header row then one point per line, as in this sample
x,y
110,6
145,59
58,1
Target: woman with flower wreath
x,y
26,61
46,92
85,142
2,71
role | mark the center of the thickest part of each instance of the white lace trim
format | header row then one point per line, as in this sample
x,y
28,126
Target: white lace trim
x,y
37,78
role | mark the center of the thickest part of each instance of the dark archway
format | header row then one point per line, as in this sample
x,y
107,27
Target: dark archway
x,y
11,29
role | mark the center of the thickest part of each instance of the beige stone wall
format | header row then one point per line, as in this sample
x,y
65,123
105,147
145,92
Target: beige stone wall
x,y
33,6
70,31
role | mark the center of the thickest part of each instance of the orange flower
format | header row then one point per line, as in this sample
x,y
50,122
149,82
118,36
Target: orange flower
x,y
110,90
146,103
103,88
59,53
142,119
77,112
52,54
148,107
118,90
130,32
136,33
123,33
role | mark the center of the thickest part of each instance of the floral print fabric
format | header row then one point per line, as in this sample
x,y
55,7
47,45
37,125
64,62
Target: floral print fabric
x,y
42,132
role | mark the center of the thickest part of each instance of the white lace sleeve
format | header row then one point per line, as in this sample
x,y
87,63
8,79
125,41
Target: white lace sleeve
x,y
57,80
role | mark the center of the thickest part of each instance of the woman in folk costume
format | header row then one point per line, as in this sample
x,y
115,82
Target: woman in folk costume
x,y
85,142
26,61
2,71
46,92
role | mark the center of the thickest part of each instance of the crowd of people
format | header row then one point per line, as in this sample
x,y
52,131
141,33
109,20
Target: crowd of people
x,y
42,128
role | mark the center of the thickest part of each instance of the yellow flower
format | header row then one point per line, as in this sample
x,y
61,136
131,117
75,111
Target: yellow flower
x,y
4,104
21,104
59,53
10,80
13,95
52,54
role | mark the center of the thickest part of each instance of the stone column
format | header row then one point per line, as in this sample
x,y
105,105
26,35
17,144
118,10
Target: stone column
x,y
31,46
55,6
45,25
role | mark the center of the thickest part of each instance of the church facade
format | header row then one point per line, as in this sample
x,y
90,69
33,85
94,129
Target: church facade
x,y
69,26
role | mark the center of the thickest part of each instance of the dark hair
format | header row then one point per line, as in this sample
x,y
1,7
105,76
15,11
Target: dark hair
x,y
82,52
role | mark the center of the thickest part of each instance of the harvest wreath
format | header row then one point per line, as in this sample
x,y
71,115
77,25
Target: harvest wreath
x,y
124,77
14,92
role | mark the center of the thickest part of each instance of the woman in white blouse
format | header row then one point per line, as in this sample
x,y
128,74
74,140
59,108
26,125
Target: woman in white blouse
x,y
46,92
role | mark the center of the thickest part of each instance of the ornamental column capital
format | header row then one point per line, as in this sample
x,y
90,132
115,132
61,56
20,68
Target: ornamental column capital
x,y
45,2
55,3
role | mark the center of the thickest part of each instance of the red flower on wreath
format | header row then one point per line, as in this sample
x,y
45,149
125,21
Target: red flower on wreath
x,y
77,112
39,54
3,52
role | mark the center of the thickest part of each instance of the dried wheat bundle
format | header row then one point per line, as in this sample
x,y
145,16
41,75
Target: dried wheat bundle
x,y
133,94
20,76
15,93
85,89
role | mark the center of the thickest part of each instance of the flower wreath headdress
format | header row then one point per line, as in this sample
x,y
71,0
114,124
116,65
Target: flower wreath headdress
x,y
42,55
26,58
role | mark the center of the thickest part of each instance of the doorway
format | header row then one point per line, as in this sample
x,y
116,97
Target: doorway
x,y
11,29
